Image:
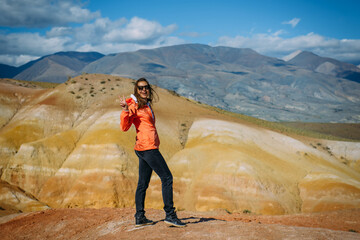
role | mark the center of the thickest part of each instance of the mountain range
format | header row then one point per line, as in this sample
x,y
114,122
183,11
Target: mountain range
x,y
306,87
51,68
324,65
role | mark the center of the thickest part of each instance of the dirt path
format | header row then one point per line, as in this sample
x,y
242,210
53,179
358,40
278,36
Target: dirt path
x,y
119,224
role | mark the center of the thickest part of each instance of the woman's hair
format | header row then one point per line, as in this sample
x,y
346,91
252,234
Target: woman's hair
x,y
142,102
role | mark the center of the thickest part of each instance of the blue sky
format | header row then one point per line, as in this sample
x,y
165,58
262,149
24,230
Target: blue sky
x,y
33,28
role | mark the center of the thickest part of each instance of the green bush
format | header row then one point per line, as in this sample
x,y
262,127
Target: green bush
x,y
246,211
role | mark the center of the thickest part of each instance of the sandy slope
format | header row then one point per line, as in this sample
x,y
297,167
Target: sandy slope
x,y
63,148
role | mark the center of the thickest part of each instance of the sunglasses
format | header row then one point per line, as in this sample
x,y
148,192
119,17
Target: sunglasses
x,y
146,87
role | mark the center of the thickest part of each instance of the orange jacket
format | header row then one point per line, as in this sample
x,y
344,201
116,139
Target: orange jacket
x,y
144,122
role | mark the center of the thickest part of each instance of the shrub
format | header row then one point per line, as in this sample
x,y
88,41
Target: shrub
x,y
174,93
227,211
246,211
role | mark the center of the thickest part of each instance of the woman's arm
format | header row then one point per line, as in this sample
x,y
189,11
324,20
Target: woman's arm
x,y
125,120
125,116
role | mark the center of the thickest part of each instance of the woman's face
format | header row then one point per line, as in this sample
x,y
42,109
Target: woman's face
x,y
143,89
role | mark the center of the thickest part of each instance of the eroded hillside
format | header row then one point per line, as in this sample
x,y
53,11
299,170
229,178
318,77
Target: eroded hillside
x,y
62,148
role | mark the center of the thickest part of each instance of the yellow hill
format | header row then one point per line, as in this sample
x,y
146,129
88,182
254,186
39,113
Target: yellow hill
x,y
63,147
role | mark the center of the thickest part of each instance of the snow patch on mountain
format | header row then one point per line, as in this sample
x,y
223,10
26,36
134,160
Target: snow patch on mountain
x,y
291,55
327,68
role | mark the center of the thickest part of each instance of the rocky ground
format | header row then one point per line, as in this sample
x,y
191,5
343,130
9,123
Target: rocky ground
x,y
110,223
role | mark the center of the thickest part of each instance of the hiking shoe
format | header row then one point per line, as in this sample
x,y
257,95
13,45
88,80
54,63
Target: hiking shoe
x,y
174,221
142,221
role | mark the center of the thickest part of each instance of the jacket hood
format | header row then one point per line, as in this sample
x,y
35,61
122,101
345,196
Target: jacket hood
x,y
133,97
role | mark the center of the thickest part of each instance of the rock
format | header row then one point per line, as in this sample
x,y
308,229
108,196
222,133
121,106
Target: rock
x,y
14,200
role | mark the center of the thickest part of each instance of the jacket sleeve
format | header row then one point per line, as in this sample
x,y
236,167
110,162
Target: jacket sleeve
x,y
125,120
126,117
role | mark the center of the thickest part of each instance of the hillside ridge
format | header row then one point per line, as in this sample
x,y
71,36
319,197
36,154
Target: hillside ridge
x,y
70,135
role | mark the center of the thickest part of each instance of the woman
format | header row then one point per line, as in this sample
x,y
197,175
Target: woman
x,y
137,110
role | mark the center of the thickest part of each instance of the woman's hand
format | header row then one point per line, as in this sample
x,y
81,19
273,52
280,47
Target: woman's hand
x,y
123,103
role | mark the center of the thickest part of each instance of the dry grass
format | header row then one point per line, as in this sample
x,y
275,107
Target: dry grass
x,y
328,131
339,130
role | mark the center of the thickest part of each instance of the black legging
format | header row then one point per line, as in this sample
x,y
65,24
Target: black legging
x,y
150,160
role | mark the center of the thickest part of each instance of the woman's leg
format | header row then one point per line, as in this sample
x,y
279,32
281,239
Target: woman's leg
x,y
156,161
145,172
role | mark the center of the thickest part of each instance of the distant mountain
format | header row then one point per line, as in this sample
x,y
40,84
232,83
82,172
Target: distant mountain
x,y
7,71
304,88
240,80
57,67
324,65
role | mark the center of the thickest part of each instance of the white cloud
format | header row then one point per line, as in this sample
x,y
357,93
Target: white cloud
x,y
102,35
16,60
110,47
277,46
108,36
139,29
93,33
43,13
278,33
30,44
293,22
